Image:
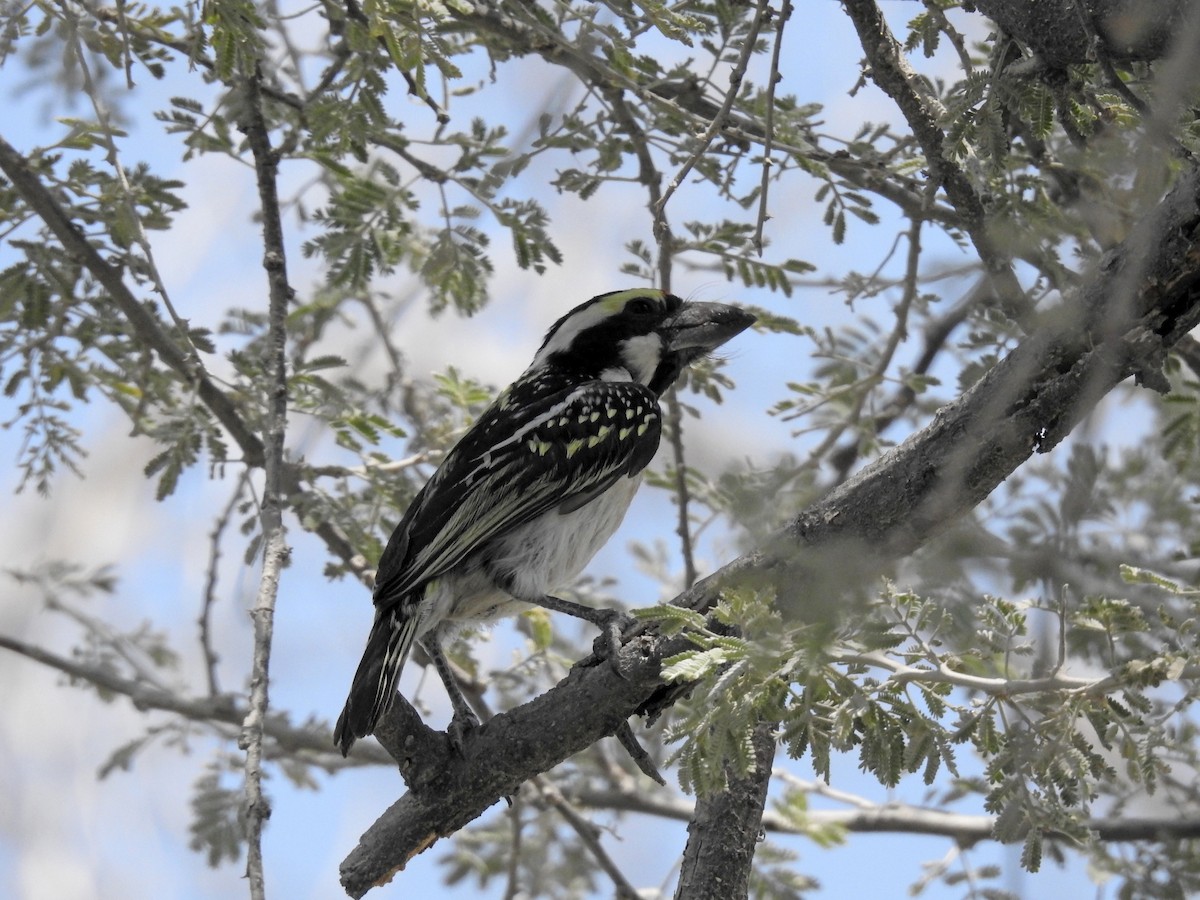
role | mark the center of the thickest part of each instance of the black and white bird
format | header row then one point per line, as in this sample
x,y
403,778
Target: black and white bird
x,y
534,488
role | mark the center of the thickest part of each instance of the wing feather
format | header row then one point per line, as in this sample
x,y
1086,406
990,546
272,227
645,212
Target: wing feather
x,y
571,443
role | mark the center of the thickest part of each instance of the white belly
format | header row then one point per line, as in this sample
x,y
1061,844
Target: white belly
x,y
537,558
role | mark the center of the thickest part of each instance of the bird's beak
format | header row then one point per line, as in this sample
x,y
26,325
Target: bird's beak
x,y
700,328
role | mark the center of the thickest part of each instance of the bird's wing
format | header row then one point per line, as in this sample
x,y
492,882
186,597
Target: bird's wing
x,y
540,446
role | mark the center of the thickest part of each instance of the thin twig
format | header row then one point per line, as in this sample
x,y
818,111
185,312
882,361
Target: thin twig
x,y
718,121
624,734
313,745
414,88
648,176
1155,124
874,818
956,39
898,334
513,887
109,141
370,467
773,79
937,333
589,835
859,391
890,71
266,165
133,655
683,494
651,178
210,587
1005,688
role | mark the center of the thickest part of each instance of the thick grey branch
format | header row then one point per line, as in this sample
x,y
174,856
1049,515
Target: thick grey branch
x,y
724,829
506,751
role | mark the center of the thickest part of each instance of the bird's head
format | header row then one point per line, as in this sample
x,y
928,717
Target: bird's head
x,y
641,335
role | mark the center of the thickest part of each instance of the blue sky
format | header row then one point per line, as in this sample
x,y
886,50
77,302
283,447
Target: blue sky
x,y
64,834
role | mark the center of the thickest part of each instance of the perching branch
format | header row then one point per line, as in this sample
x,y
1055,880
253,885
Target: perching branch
x,y
1026,403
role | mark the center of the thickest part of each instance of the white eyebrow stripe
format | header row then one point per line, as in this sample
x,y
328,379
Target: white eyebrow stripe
x,y
570,329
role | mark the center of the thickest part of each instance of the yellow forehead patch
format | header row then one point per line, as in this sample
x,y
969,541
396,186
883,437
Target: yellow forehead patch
x,y
615,302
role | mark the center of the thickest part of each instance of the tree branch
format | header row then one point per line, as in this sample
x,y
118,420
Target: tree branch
x,y
507,750
718,120
1027,403
144,323
891,72
266,167
937,332
316,745
724,829
996,687
895,818
1061,31
210,586
589,835
150,331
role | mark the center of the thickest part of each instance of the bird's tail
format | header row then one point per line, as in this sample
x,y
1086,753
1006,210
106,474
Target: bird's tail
x,y
374,685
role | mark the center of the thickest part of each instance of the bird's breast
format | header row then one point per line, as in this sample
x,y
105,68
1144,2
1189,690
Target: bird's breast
x,y
549,552
535,559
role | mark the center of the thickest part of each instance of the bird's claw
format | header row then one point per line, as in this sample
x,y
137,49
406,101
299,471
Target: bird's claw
x,y
612,624
461,724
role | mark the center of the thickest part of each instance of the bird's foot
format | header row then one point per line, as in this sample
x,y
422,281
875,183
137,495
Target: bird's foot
x,y
612,624
461,724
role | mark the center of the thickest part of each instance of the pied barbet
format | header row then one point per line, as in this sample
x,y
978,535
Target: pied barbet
x,y
534,488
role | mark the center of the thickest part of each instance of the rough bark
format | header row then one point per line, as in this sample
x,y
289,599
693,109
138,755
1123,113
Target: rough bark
x,y
725,829
1065,32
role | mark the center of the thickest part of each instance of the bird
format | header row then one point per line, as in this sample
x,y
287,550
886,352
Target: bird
x,y
533,489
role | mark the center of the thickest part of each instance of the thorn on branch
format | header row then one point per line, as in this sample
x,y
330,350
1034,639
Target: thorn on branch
x,y
638,753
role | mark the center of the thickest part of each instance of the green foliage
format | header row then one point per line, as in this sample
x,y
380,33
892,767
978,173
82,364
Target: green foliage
x,y
365,227
217,829
890,689
235,36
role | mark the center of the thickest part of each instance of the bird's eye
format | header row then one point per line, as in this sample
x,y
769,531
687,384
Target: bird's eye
x,y
640,307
